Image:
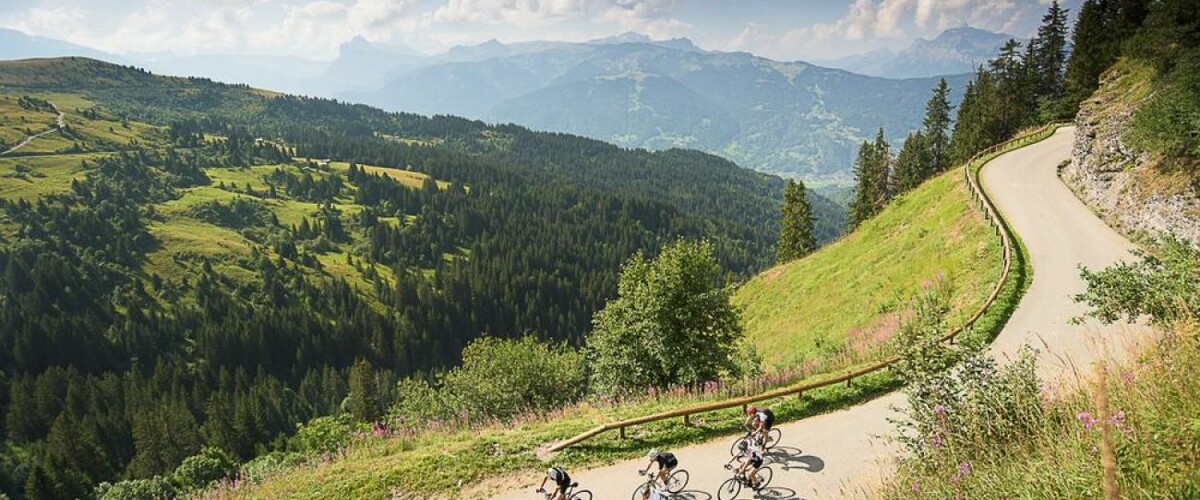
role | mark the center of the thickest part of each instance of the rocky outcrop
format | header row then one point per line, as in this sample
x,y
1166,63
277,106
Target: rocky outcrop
x,y
1124,185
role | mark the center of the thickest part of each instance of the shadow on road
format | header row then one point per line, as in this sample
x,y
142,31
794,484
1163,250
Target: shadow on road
x,y
691,495
775,492
792,458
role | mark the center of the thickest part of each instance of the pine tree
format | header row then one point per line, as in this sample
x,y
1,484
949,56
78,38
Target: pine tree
x,y
935,133
1048,51
914,163
364,393
882,170
872,171
1093,50
796,237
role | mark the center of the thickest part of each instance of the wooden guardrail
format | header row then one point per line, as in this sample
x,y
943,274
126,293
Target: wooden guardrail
x,y
971,171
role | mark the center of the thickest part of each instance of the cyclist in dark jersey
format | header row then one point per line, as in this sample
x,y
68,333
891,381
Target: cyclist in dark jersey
x,y
561,480
760,420
666,463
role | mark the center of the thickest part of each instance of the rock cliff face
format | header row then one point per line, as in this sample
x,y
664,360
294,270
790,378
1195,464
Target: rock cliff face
x,y
1124,185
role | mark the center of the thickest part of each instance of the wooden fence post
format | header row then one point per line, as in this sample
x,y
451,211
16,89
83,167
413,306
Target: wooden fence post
x,y
622,432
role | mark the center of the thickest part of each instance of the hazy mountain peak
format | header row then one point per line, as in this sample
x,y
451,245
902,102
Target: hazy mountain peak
x,y
681,43
360,44
954,51
626,37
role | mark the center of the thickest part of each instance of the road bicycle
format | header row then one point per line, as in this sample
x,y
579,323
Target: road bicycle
x,y
676,482
571,493
732,487
773,437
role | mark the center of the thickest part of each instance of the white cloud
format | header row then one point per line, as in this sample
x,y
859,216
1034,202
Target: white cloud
x,y
872,24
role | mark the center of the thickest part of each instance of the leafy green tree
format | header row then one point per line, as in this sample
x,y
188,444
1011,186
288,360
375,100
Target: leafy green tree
x,y
671,323
935,131
363,401
796,238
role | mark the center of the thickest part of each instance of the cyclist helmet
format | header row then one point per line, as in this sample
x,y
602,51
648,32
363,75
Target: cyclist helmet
x,y
652,454
742,445
751,409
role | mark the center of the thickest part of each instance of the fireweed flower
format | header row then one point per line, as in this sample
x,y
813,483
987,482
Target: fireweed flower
x,y
964,469
1087,420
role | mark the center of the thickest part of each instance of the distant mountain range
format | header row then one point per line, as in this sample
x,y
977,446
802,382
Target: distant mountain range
x,y
789,118
958,50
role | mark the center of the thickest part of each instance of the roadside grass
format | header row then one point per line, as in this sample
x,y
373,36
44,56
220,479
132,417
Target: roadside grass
x,y
841,303
1153,419
433,463
30,177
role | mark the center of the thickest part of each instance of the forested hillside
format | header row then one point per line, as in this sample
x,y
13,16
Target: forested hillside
x,y
186,263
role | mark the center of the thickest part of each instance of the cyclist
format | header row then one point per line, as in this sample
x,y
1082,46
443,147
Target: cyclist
x,y
561,480
760,420
666,463
751,458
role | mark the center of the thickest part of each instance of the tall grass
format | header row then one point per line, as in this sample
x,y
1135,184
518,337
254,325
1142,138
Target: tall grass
x,y
1152,419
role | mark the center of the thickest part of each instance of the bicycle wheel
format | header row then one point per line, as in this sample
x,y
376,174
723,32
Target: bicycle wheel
x,y
729,489
582,495
641,492
677,481
733,449
773,437
764,476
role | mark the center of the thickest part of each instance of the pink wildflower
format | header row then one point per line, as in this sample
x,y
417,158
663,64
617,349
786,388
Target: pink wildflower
x,y
1087,420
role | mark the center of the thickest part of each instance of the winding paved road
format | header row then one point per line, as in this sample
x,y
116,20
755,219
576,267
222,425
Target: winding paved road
x,y
846,453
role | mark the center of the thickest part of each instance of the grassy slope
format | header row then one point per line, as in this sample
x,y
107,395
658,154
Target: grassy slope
x,y
1156,443
845,297
947,234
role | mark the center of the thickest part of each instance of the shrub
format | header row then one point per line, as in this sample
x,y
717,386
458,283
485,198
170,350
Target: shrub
x,y
497,378
1161,285
155,488
264,466
200,470
324,435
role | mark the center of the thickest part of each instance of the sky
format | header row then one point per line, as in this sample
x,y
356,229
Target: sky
x,y
314,29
